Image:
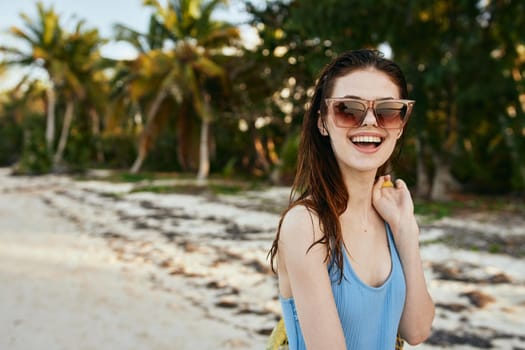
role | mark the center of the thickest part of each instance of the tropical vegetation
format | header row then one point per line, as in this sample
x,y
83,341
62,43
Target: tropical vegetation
x,y
196,99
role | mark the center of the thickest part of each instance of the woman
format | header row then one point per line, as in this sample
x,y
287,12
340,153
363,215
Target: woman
x,y
347,248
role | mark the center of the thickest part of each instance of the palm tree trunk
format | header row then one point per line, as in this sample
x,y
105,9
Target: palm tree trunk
x,y
204,152
95,129
137,164
260,152
68,118
50,116
443,183
184,134
204,155
144,140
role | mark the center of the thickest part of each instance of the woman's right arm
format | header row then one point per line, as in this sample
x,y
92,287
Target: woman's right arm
x,y
309,280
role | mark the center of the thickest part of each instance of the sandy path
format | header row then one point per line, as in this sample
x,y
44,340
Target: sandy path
x,y
62,289
94,265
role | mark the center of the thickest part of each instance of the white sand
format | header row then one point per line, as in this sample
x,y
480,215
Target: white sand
x,y
62,289
89,265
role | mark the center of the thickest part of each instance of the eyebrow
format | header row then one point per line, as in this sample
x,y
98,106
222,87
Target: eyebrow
x,y
360,98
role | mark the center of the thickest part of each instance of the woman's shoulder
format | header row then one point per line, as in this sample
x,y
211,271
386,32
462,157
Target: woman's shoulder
x,y
300,211
298,221
300,214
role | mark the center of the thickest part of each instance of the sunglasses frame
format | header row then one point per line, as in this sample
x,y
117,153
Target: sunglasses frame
x,y
371,104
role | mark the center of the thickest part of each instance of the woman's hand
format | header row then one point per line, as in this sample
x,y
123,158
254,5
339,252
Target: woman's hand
x,y
394,204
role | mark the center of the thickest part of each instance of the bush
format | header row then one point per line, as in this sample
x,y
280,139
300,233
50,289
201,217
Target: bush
x,y
79,150
11,139
289,153
119,150
163,155
35,158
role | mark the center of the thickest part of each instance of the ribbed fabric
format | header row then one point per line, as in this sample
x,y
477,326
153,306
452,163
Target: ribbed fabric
x,y
369,315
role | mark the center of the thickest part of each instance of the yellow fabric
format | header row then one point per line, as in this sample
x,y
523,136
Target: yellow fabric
x,y
279,341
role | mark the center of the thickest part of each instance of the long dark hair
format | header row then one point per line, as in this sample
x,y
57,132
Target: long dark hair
x,y
318,183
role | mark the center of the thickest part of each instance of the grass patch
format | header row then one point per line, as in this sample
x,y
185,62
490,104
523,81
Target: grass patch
x,y
161,189
211,187
495,248
433,210
124,176
130,177
146,176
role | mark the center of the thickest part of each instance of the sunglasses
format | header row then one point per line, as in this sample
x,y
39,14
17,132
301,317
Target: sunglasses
x,y
351,112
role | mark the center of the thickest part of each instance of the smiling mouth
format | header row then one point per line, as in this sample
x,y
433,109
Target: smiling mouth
x,y
367,141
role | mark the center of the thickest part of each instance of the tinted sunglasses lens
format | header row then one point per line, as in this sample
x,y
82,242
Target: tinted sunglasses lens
x,y
348,113
390,113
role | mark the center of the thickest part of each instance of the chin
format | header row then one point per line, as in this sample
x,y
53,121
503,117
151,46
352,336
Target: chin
x,y
362,168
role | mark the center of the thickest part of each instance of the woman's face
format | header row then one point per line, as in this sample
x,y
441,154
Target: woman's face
x,y
365,147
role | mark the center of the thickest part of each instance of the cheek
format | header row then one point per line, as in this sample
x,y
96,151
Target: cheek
x,y
390,144
338,137
338,142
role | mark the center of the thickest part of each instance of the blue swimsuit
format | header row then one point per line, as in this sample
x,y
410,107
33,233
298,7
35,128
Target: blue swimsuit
x,y
369,315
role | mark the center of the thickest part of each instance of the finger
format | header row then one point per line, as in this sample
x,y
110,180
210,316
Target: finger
x,y
379,182
376,189
401,184
402,187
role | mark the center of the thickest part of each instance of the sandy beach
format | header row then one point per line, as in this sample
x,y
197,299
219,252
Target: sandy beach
x,y
97,265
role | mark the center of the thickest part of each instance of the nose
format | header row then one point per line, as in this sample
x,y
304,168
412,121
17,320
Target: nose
x,y
370,118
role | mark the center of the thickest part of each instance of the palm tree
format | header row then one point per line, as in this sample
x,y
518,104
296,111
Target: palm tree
x,y
196,40
154,84
45,38
144,84
24,105
81,79
69,60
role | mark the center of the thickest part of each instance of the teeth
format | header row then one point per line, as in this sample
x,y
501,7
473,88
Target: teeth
x,y
371,139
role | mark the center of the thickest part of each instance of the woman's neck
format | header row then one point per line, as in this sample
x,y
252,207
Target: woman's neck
x,y
359,187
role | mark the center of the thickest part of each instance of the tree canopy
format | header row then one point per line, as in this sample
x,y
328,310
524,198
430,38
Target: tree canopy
x,y
196,100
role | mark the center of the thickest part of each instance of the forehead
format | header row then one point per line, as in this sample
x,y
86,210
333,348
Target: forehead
x,y
368,84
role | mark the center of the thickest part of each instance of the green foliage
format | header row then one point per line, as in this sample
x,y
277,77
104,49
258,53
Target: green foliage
x,y
211,188
495,248
458,57
11,139
163,155
130,177
404,160
197,40
79,151
72,63
432,210
118,150
233,154
228,170
488,170
289,158
35,159
464,61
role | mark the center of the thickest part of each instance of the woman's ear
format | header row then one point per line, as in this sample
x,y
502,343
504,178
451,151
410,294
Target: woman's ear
x,y
399,133
321,126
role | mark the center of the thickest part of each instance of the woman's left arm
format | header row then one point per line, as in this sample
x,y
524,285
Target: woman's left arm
x,y
396,207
